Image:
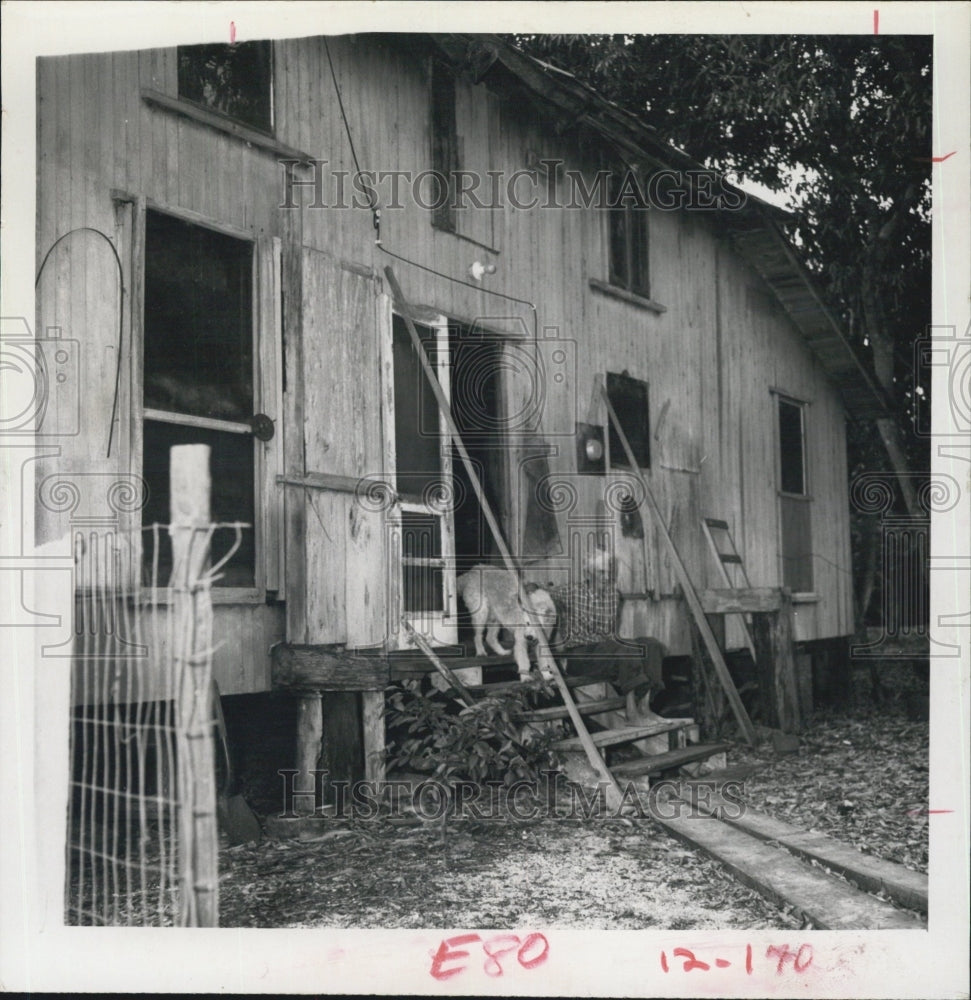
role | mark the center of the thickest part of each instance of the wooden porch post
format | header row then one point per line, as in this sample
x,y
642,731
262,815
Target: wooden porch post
x,y
775,660
310,735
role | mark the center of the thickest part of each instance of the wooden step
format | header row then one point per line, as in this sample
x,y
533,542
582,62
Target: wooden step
x,y
657,763
561,711
829,903
498,687
909,888
611,737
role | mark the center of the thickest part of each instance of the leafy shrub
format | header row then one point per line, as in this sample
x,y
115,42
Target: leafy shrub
x,y
434,733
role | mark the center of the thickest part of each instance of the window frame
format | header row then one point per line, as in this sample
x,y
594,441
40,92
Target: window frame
x,y
267,329
785,497
270,130
628,282
443,138
440,627
473,113
781,399
619,462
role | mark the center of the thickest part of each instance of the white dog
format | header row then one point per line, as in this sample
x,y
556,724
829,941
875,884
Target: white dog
x,y
492,596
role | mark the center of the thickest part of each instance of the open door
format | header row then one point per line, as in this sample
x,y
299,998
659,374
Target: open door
x,y
335,563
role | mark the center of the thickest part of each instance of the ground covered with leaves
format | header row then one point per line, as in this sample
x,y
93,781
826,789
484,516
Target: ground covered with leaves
x,y
862,781
860,776
605,874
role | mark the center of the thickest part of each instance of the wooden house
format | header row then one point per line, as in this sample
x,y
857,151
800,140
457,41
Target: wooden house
x,y
225,218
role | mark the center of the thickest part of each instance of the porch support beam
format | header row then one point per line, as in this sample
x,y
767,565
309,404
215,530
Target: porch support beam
x,y
746,600
325,668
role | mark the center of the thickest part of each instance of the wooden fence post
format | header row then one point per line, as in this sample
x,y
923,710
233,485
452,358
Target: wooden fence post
x,y
192,614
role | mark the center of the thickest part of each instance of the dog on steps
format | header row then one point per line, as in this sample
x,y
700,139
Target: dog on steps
x,y
492,596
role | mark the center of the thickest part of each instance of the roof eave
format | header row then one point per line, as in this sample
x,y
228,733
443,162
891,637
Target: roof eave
x,y
755,227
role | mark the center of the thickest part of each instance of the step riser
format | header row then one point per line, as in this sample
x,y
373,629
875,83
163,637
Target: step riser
x,y
667,761
614,737
583,707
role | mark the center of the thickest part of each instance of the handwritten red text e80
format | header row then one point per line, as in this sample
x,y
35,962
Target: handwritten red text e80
x,y
531,952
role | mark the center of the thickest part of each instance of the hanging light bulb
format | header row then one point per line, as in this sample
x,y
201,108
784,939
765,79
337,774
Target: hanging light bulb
x,y
477,269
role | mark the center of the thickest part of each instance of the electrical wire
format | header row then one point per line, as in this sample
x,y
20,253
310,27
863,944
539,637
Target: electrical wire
x,y
375,210
121,310
468,284
372,197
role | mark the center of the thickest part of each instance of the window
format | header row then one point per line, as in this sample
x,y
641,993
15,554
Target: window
x,y
198,379
628,397
444,144
628,241
465,129
795,504
235,80
422,478
792,464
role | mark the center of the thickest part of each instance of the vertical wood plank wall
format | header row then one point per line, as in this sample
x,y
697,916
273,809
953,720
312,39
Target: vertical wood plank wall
x,y
710,358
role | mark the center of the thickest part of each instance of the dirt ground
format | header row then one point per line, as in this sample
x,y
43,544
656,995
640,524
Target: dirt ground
x,y
551,873
860,776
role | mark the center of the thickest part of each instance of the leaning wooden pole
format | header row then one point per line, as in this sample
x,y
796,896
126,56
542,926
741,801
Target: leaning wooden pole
x,y
691,595
463,692
544,657
419,640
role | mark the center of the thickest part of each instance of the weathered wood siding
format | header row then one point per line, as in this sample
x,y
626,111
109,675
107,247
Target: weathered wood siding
x,y
710,359
336,549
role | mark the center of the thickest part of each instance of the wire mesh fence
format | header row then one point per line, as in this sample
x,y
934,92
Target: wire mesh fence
x,y
142,836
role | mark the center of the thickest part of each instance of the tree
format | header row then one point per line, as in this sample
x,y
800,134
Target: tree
x,y
841,123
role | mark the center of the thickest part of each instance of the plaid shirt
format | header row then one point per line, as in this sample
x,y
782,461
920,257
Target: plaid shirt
x,y
584,615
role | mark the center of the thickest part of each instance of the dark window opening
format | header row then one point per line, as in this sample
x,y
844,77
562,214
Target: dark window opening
x,y
792,464
628,244
444,145
198,320
628,397
198,367
795,507
235,80
231,469
476,362
418,439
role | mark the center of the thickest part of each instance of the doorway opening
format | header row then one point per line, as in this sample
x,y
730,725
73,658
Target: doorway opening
x,y
476,359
